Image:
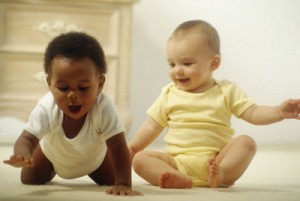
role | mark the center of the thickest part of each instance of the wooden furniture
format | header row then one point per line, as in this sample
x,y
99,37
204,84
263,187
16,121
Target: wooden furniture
x,y
26,27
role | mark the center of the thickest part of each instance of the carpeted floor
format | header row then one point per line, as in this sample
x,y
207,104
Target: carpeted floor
x,y
274,175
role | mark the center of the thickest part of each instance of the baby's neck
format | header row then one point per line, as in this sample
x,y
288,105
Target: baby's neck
x,y
72,126
209,84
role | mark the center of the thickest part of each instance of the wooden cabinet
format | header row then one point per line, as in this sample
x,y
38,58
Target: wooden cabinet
x,y
26,27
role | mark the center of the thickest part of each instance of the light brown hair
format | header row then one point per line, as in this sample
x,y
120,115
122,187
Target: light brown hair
x,y
207,31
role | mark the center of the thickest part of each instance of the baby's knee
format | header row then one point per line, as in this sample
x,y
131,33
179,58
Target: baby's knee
x,y
137,160
248,142
30,177
29,180
33,181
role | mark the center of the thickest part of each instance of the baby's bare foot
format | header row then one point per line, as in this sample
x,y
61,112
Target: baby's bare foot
x,y
173,180
215,174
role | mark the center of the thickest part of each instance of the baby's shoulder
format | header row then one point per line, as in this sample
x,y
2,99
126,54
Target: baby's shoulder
x,y
228,87
225,83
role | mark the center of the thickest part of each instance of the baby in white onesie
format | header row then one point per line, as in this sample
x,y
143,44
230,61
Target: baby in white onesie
x,y
74,130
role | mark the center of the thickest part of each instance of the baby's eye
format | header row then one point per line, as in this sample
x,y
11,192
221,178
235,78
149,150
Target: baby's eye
x,y
63,89
171,65
187,63
83,88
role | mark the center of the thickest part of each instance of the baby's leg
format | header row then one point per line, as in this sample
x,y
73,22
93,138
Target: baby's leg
x,y
231,162
159,169
174,180
42,170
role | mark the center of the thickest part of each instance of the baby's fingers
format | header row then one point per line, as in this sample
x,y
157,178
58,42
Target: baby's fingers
x,y
122,192
296,111
18,161
297,116
129,192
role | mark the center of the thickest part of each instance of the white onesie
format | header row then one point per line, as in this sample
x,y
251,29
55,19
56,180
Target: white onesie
x,y
73,158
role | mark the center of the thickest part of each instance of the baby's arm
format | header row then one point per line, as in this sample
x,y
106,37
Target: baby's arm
x,y
23,149
262,115
147,132
117,148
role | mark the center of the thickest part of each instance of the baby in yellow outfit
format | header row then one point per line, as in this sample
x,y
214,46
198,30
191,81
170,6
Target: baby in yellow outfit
x,y
197,110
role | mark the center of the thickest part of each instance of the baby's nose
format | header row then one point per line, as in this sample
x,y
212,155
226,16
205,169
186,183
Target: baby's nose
x,y
72,95
179,71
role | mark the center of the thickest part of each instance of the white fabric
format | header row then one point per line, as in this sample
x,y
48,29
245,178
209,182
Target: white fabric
x,y
83,154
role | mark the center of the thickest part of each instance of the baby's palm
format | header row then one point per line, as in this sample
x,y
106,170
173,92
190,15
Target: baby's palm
x,y
290,109
19,161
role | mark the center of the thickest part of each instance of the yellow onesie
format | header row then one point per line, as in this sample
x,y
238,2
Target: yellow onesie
x,y
199,124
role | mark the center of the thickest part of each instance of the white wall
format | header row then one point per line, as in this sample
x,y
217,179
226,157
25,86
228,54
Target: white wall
x,y
260,44
260,51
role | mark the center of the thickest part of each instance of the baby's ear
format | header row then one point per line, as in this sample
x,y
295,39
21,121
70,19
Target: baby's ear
x,y
101,83
48,79
216,61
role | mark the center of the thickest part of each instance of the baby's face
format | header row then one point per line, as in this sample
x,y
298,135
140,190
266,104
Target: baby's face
x,y
191,64
75,84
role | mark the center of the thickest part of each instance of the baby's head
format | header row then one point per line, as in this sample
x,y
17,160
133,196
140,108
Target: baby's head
x,y
193,53
75,45
75,65
206,32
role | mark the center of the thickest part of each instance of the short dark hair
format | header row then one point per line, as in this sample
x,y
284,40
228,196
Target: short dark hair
x,y
75,45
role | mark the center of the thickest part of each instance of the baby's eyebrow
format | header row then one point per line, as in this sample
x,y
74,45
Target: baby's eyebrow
x,y
60,82
80,81
84,81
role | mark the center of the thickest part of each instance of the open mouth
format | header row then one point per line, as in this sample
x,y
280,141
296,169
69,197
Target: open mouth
x,y
74,108
183,81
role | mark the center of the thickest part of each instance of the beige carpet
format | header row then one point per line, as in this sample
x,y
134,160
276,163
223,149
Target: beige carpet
x,y
274,175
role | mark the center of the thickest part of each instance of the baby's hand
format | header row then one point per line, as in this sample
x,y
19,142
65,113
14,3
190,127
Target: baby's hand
x,y
122,190
19,161
290,109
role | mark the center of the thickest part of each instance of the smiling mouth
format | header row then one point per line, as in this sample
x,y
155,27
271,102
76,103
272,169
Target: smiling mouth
x,y
74,108
183,81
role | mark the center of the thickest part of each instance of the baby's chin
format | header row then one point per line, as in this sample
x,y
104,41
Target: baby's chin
x,y
180,87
